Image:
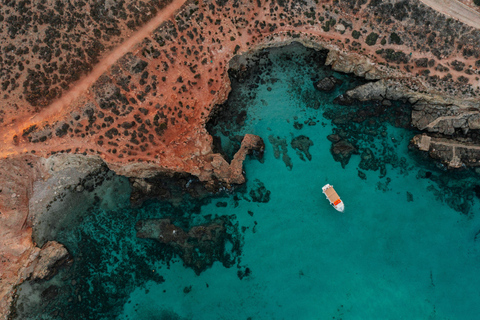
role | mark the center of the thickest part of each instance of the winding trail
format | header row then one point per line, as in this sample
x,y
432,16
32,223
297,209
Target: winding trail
x,y
455,9
82,85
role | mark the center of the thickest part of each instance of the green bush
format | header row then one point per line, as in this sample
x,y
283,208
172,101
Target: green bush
x,y
394,38
371,39
355,34
328,24
477,2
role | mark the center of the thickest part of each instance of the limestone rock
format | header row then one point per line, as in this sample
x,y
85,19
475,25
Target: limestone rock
x,y
51,256
454,153
344,100
340,27
327,84
444,119
380,90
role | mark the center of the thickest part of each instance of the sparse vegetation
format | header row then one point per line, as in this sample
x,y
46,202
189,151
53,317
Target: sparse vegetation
x,y
394,38
371,39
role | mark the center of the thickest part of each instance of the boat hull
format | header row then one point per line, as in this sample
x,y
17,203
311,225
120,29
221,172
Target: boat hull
x,y
340,207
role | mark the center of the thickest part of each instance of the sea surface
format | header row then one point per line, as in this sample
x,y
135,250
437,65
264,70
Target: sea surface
x,y
406,246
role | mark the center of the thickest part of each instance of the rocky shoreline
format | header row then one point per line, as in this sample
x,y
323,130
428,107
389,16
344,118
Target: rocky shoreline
x,y
66,170
448,123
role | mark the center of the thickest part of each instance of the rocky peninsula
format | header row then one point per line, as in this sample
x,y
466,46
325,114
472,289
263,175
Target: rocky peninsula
x,y
69,108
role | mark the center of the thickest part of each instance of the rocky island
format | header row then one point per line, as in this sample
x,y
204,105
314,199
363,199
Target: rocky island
x,y
131,86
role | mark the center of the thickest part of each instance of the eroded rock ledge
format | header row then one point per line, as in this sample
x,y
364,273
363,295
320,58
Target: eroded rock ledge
x,y
29,186
453,121
454,153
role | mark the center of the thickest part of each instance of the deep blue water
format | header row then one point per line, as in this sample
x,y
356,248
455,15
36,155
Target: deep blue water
x,y
405,247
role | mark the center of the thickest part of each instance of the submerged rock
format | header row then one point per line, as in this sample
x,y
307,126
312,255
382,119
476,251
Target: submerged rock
x,y
280,148
302,144
362,175
369,161
344,100
259,193
342,151
200,247
328,84
409,197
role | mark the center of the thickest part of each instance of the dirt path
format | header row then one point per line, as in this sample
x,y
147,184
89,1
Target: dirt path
x,y
457,10
82,85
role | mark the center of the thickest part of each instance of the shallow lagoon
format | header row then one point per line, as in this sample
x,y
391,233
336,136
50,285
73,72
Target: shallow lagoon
x,y
399,251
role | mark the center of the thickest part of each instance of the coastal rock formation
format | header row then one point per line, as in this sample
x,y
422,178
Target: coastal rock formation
x,y
28,185
454,153
436,114
199,248
51,256
327,84
445,119
383,89
250,144
357,64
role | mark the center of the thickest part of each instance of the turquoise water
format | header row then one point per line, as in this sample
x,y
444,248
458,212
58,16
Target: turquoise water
x,y
405,247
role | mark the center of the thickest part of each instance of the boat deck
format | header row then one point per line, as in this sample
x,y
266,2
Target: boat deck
x,y
332,195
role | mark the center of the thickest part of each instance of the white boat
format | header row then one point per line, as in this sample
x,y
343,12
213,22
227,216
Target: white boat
x,y
333,197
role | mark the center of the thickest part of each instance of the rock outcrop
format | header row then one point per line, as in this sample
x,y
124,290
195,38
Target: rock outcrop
x,y
229,174
327,84
408,89
28,184
52,256
434,114
445,119
454,153
357,64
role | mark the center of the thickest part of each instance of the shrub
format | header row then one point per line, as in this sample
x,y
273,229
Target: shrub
x,y
371,39
355,34
394,38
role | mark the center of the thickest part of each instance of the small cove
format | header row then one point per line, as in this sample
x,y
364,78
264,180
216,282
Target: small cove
x,y
404,248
